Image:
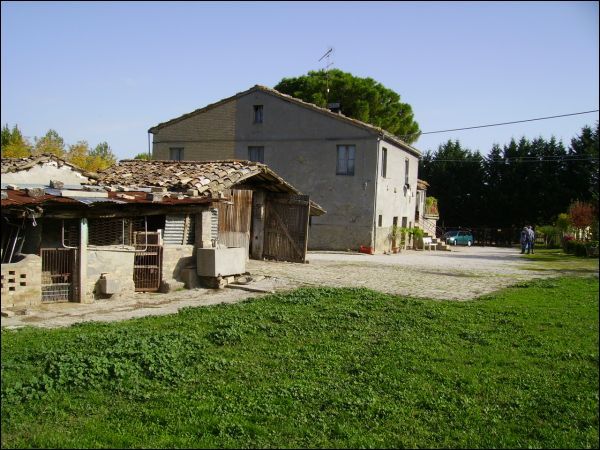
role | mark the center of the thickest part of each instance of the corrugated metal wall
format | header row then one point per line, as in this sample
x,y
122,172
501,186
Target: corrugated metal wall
x,y
179,229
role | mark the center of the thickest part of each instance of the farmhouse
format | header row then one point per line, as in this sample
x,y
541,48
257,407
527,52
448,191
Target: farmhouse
x,y
365,177
139,225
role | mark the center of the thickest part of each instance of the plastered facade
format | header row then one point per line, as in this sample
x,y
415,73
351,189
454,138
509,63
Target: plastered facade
x,y
300,144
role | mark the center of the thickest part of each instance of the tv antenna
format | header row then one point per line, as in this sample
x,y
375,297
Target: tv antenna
x,y
329,63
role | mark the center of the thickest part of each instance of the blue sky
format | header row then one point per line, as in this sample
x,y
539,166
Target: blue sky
x,y
104,71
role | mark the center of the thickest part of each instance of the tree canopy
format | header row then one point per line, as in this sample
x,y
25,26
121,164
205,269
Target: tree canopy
x,y
522,182
14,145
363,99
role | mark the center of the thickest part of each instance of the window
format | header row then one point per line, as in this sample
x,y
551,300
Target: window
x,y
345,160
380,221
384,162
256,154
176,153
404,221
406,167
258,113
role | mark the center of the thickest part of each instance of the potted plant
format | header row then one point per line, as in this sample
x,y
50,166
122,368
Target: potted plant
x,y
396,238
417,237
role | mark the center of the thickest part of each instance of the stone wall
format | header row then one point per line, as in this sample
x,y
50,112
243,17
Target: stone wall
x,y
116,262
176,258
22,282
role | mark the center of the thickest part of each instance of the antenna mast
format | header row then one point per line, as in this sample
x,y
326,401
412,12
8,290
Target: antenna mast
x,y
327,56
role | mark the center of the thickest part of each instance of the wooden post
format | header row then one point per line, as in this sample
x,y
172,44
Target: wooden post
x,y
258,225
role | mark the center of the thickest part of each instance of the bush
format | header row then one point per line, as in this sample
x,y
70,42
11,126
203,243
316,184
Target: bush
x,y
574,246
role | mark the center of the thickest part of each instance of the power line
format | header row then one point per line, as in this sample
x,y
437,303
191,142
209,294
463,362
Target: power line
x,y
501,123
518,159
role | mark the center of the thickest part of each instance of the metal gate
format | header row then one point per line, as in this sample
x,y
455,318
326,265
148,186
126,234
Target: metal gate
x,y
147,265
59,275
286,227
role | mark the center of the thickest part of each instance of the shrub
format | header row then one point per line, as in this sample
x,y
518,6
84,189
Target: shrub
x,y
574,246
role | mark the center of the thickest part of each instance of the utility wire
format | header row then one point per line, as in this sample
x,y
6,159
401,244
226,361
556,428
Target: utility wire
x,y
498,124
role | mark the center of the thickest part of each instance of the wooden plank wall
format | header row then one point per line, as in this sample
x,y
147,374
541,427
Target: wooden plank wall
x,y
235,219
286,227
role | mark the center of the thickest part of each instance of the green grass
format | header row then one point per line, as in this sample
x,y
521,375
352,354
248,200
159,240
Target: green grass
x,y
317,368
555,260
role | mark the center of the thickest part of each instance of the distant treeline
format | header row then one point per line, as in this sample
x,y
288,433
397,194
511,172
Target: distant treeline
x,y
524,182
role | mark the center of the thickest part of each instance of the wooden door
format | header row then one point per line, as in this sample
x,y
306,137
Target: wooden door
x,y
286,227
235,219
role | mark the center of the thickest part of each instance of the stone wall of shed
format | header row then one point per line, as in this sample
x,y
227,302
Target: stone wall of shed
x,y
116,262
176,258
22,283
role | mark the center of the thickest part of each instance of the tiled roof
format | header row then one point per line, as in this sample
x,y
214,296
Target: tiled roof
x,y
208,177
376,130
9,165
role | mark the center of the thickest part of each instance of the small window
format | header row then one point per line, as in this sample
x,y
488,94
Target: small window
x,y
345,159
406,167
384,162
380,220
176,153
256,154
258,113
404,221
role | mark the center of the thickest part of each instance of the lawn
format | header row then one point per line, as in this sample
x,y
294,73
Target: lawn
x,y
317,367
555,260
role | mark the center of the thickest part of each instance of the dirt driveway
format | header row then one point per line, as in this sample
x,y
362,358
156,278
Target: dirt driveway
x,y
461,274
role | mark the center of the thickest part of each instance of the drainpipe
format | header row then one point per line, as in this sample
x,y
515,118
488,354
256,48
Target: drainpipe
x,y
374,234
82,259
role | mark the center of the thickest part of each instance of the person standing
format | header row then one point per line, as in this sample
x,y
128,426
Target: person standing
x,y
531,236
524,239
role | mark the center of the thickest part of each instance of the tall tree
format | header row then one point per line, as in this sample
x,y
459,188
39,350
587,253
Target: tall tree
x,y
78,154
456,179
50,143
101,157
582,168
14,145
360,98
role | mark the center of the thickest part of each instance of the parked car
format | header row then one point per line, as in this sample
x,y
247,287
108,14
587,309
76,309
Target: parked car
x,y
459,238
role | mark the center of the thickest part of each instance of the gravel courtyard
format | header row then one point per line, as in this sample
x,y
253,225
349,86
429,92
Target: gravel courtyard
x,y
461,274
